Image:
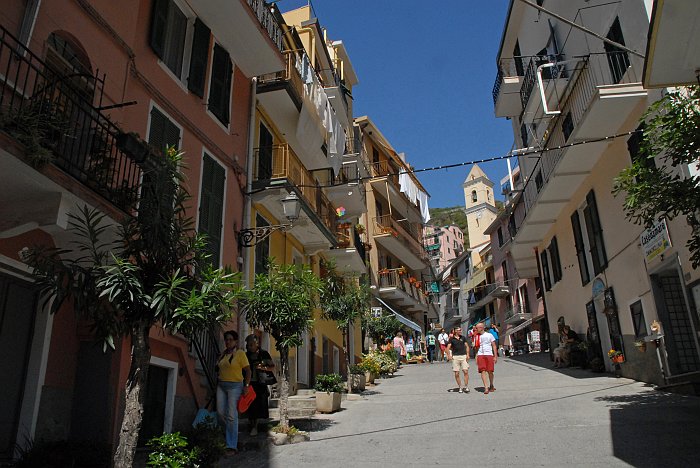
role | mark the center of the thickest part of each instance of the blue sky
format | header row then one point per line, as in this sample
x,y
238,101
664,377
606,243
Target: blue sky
x,y
426,70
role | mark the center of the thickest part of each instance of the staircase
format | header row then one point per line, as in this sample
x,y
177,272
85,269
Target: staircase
x,y
301,406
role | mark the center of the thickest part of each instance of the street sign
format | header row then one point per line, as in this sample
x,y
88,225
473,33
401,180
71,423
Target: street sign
x,y
376,312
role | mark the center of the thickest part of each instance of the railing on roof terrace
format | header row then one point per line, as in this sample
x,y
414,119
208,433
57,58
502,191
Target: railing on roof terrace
x,y
267,19
54,109
586,76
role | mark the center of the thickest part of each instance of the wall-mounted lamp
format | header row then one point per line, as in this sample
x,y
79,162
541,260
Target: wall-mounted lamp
x,y
291,207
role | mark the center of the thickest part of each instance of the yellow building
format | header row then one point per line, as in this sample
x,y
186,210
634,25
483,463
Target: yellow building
x,y
301,150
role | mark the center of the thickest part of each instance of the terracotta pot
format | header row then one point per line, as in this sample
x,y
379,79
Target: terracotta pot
x,y
618,359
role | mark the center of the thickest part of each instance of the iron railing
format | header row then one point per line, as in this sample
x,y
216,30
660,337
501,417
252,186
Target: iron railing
x,y
267,19
52,111
205,344
280,162
399,278
585,77
404,230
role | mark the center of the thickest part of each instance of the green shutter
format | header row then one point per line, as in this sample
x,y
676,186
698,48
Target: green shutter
x,y
159,24
580,251
220,87
199,57
211,206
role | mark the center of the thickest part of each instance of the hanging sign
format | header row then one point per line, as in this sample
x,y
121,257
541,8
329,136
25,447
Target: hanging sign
x,y
376,312
655,240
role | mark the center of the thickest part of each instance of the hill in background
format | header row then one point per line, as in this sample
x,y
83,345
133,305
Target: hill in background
x,y
454,215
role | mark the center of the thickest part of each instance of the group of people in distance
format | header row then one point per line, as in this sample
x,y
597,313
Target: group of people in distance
x,y
457,348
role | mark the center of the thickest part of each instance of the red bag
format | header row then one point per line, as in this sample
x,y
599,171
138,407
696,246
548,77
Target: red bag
x,y
246,400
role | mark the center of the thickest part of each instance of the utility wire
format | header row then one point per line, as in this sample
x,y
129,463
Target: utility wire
x,y
528,152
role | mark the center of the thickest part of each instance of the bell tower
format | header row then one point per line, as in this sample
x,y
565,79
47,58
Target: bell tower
x,y
479,206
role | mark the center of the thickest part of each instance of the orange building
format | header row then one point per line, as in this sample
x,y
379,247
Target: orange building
x,y
174,73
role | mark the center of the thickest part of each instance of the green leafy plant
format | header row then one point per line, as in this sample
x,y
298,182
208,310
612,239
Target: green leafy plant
x,y
282,303
356,369
379,328
208,437
173,451
289,430
330,383
663,190
155,274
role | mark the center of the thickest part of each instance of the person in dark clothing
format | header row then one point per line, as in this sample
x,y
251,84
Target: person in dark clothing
x,y
260,364
458,353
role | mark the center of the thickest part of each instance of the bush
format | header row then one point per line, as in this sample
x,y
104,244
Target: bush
x,y
330,383
173,451
357,369
370,363
208,437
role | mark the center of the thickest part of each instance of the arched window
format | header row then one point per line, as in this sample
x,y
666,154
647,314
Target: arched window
x,y
488,195
474,195
67,60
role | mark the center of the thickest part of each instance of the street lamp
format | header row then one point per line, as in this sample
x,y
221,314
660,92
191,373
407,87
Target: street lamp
x,y
291,206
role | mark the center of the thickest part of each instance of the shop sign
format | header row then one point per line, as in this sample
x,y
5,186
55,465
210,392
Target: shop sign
x,y
655,240
376,312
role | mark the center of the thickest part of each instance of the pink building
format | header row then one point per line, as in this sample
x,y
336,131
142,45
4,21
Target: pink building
x,y
443,244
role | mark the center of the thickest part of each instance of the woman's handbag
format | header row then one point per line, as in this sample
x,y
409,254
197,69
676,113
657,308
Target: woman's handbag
x,y
266,377
246,400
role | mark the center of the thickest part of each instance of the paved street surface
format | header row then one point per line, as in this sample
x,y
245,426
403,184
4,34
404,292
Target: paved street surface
x,y
539,416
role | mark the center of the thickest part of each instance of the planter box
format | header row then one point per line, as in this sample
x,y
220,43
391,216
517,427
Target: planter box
x,y
327,402
357,382
369,378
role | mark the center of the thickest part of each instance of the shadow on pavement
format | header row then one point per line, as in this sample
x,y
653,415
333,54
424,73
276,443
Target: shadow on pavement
x,y
542,362
647,428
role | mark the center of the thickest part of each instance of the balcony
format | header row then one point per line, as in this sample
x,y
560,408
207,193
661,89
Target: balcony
x,y
516,315
401,239
348,189
50,120
282,95
506,88
277,171
603,97
247,27
487,293
398,287
350,254
385,182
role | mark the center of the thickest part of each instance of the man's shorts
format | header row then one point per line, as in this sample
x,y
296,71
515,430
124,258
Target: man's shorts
x,y
459,363
484,363
443,347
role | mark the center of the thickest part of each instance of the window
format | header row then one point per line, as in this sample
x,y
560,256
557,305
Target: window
x,y
595,234
517,57
169,31
539,182
474,197
638,321
523,135
500,237
556,262
567,126
512,229
162,132
211,206
545,270
199,58
262,248
220,85
636,151
504,268
580,248
618,59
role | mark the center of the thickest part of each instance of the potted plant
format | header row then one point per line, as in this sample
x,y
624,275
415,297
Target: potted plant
x,y
357,379
616,356
328,388
412,280
401,270
359,228
371,366
641,345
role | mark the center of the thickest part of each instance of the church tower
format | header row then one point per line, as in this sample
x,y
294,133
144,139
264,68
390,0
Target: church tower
x,y
480,206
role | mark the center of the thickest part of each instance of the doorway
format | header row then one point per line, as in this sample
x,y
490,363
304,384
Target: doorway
x,y
679,331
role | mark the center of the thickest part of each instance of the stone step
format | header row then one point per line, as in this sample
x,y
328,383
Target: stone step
x,y
293,413
306,392
295,403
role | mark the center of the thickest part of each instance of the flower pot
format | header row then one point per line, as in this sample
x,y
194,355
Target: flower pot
x,y
369,377
618,359
327,402
357,382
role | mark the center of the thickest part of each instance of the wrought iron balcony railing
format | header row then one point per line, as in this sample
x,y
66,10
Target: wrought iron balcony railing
x,y
267,19
54,115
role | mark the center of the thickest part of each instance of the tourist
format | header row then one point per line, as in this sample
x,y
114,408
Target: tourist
x,y
443,337
262,368
458,352
234,379
486,357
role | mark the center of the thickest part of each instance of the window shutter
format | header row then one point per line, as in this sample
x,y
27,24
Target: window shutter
x,y
159,23
545,271
175,37
220,87
211,206
595,234
163,133
199,57
580,251
556,262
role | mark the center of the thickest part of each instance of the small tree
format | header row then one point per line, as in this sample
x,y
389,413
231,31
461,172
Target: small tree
x,y
282,303
671,130
379,328
343,301
155,273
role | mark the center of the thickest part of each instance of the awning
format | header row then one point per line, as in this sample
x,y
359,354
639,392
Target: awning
x,y
402,319
526,323
474,281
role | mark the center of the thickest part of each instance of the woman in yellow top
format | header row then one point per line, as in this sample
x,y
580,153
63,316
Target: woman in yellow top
x,y
234,379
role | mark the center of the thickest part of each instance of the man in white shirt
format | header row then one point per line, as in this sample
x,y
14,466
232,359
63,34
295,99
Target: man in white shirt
x,y
443,338
486,357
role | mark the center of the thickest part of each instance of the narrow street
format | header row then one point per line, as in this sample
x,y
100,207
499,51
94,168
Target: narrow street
x,y
539,416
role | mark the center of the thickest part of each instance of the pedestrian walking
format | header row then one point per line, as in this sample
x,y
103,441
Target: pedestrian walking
x,y
399,347
234,380
458,352
262,366
443,338
431,340
486,357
